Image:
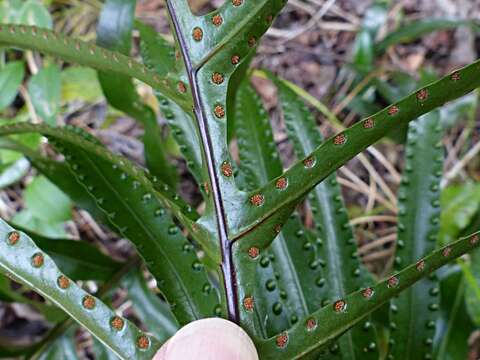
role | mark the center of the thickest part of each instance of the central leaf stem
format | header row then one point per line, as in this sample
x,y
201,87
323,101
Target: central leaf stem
x,y
227,267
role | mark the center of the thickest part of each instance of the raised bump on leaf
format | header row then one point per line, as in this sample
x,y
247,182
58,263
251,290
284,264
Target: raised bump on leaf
x,y
217,20
37,260
143,342
197,34
13,237
63,282
117,323
88,302
219,111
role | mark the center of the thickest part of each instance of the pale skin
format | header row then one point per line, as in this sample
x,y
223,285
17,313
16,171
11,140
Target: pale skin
x,y
209,339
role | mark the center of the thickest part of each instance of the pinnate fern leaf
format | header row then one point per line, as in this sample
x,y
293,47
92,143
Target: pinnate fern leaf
x,y
135,208
414,313
343,272
22,260
83,53
337,150
317,331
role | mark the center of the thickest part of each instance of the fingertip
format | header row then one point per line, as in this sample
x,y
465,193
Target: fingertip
x,y
162,353
212,339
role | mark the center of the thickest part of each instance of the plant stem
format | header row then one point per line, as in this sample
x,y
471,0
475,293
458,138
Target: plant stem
x,y
227,267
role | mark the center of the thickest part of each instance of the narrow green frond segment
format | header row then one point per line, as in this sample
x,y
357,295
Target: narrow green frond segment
x,y
22,260
455,325
416,29
413,314
152,311
259,159
134,208
185,133
279,290
159,55
77,51
114,32
315,332
79,260
342,269
78,138
336,151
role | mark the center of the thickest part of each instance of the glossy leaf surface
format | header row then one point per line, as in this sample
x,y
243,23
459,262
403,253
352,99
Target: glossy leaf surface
x,y
77,51
26,263
279,294
332,321
138,211
340,148
114,32
414,312
11,76
343,272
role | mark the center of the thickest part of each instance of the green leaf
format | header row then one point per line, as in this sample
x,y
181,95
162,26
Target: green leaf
x,y
154,313
413,313
80,83
472,292
315,332
454,325
45,91
27,219
279,290
460,204
363,52
86,54
101,352
212,47
114,32
140,211
9,352
343,272
41,194
59,174
21,259
159,56
14,172
62,348
337,150
114,29
259,159
9,10
157,53
79,260
238,23
34,13
416,29
11,77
